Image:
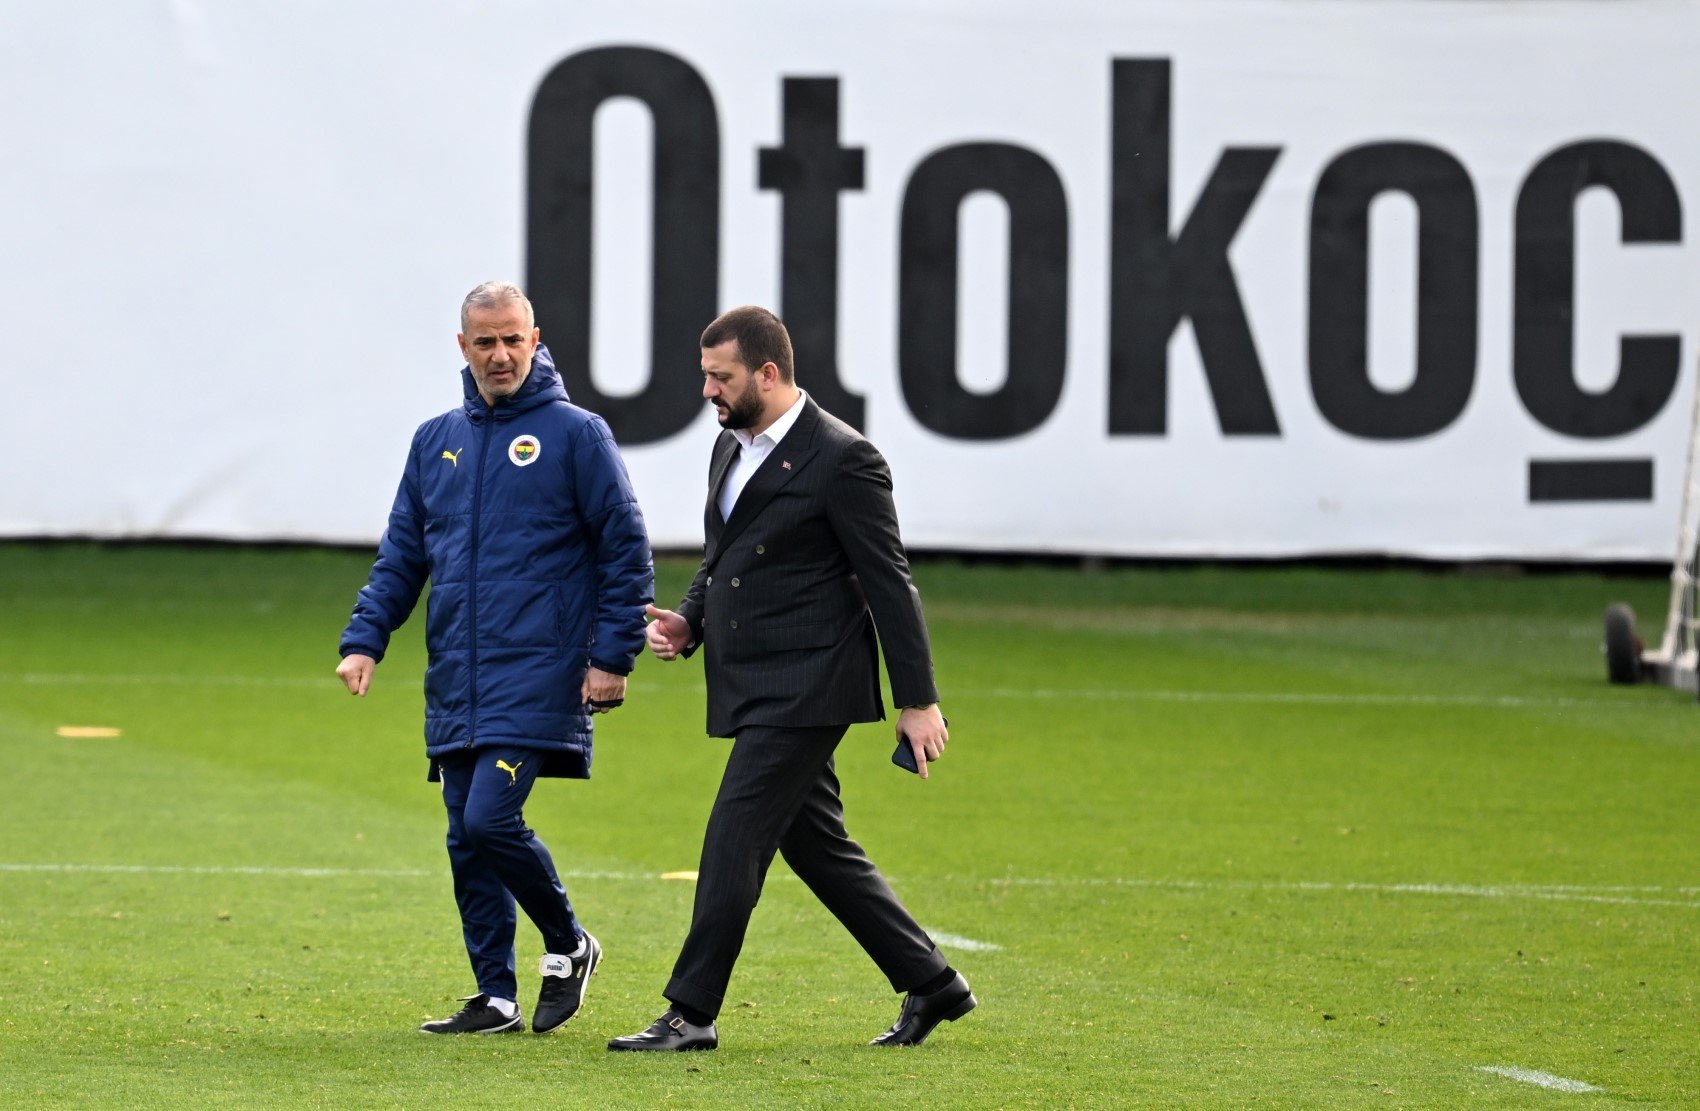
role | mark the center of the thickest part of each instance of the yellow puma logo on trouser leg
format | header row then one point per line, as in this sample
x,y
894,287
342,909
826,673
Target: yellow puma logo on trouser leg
x,y
513,772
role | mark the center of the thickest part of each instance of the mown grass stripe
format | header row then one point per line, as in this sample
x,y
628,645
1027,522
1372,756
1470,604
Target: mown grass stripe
x,y
1129,694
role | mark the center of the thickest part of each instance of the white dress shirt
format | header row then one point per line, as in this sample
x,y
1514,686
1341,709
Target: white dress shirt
x,y
751,451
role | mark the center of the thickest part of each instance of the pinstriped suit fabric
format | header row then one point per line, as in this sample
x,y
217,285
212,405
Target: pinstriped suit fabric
x,y
785,608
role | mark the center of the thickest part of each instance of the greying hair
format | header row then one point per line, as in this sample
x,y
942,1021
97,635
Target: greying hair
x,y
493,295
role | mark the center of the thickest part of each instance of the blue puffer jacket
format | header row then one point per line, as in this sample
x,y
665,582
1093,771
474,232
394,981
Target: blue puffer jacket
x,y
524,521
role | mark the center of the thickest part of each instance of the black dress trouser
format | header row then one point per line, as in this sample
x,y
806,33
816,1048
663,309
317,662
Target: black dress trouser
x,y
780,793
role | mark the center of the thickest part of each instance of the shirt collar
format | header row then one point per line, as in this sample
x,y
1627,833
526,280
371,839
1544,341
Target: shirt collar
x,y
777,430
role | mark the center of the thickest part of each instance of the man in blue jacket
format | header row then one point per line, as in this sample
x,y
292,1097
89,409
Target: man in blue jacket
x,y
518,510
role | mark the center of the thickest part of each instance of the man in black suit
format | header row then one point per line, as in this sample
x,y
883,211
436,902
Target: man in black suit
x,y
803,562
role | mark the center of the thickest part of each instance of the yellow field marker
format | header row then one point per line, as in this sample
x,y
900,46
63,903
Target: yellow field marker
x,y
88,731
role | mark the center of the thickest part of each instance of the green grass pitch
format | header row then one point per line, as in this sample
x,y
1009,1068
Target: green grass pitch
x,y
1204,837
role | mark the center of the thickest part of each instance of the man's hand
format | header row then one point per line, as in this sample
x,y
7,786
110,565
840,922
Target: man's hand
x,y
924,728
355,671
602,691
668,633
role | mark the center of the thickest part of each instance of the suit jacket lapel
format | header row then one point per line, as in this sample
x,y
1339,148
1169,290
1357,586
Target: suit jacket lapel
x,y
725,451
783,463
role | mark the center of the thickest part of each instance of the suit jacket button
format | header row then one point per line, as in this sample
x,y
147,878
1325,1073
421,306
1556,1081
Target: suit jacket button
x,y
734,582
761,549
734,624
711,580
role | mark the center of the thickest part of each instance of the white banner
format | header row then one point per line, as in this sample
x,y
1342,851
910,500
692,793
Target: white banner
x,y
1190,278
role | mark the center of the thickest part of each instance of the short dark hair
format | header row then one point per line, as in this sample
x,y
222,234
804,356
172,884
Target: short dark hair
x,y
761,338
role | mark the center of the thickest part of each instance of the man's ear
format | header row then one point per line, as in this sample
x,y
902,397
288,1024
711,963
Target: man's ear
x,y
769,375
466,353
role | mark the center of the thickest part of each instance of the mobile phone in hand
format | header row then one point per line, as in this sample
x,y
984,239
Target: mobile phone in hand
x,y
904,757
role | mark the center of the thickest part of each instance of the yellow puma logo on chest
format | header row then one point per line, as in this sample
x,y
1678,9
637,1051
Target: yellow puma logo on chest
x,y
453,457
513,771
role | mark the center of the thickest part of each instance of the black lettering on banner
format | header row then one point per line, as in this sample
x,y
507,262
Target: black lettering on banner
x,y
1447,248
1590,480
809,171
686,227
1157,280
1544,290
1037,342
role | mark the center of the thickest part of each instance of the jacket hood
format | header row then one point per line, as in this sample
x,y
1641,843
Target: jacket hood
x,y
540,387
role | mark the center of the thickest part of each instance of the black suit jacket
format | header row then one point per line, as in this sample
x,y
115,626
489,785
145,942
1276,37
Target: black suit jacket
x,y
793,586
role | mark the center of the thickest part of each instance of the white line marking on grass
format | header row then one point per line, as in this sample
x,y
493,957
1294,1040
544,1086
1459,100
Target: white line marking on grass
x,y
1301,698
308,873
1629,896
1543,1079
59,679
218,870
1511,891
957,941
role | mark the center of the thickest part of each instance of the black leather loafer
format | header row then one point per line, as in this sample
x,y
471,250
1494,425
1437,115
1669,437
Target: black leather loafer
x,y
669,1032
923,1012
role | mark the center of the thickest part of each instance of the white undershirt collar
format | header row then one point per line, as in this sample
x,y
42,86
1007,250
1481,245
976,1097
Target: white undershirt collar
x,y
752,450
777,430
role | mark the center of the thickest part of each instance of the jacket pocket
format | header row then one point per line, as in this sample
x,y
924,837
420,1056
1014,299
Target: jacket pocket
x,y
789,638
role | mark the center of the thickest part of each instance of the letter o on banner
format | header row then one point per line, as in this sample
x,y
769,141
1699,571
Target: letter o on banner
x,y
1447,289
686,221
1037,346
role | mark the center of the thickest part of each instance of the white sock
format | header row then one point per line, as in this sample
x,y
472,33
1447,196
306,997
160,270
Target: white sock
x,y
507,1006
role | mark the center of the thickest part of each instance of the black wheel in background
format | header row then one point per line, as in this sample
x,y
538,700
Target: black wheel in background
x,y
1623,644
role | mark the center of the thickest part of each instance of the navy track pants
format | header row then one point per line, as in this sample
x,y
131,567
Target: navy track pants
x,y
497,861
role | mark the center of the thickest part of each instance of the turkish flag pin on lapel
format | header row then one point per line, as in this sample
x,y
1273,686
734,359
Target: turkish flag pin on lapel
x,y
786,463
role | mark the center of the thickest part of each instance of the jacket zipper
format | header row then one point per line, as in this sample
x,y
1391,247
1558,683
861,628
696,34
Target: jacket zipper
x,y
472,586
